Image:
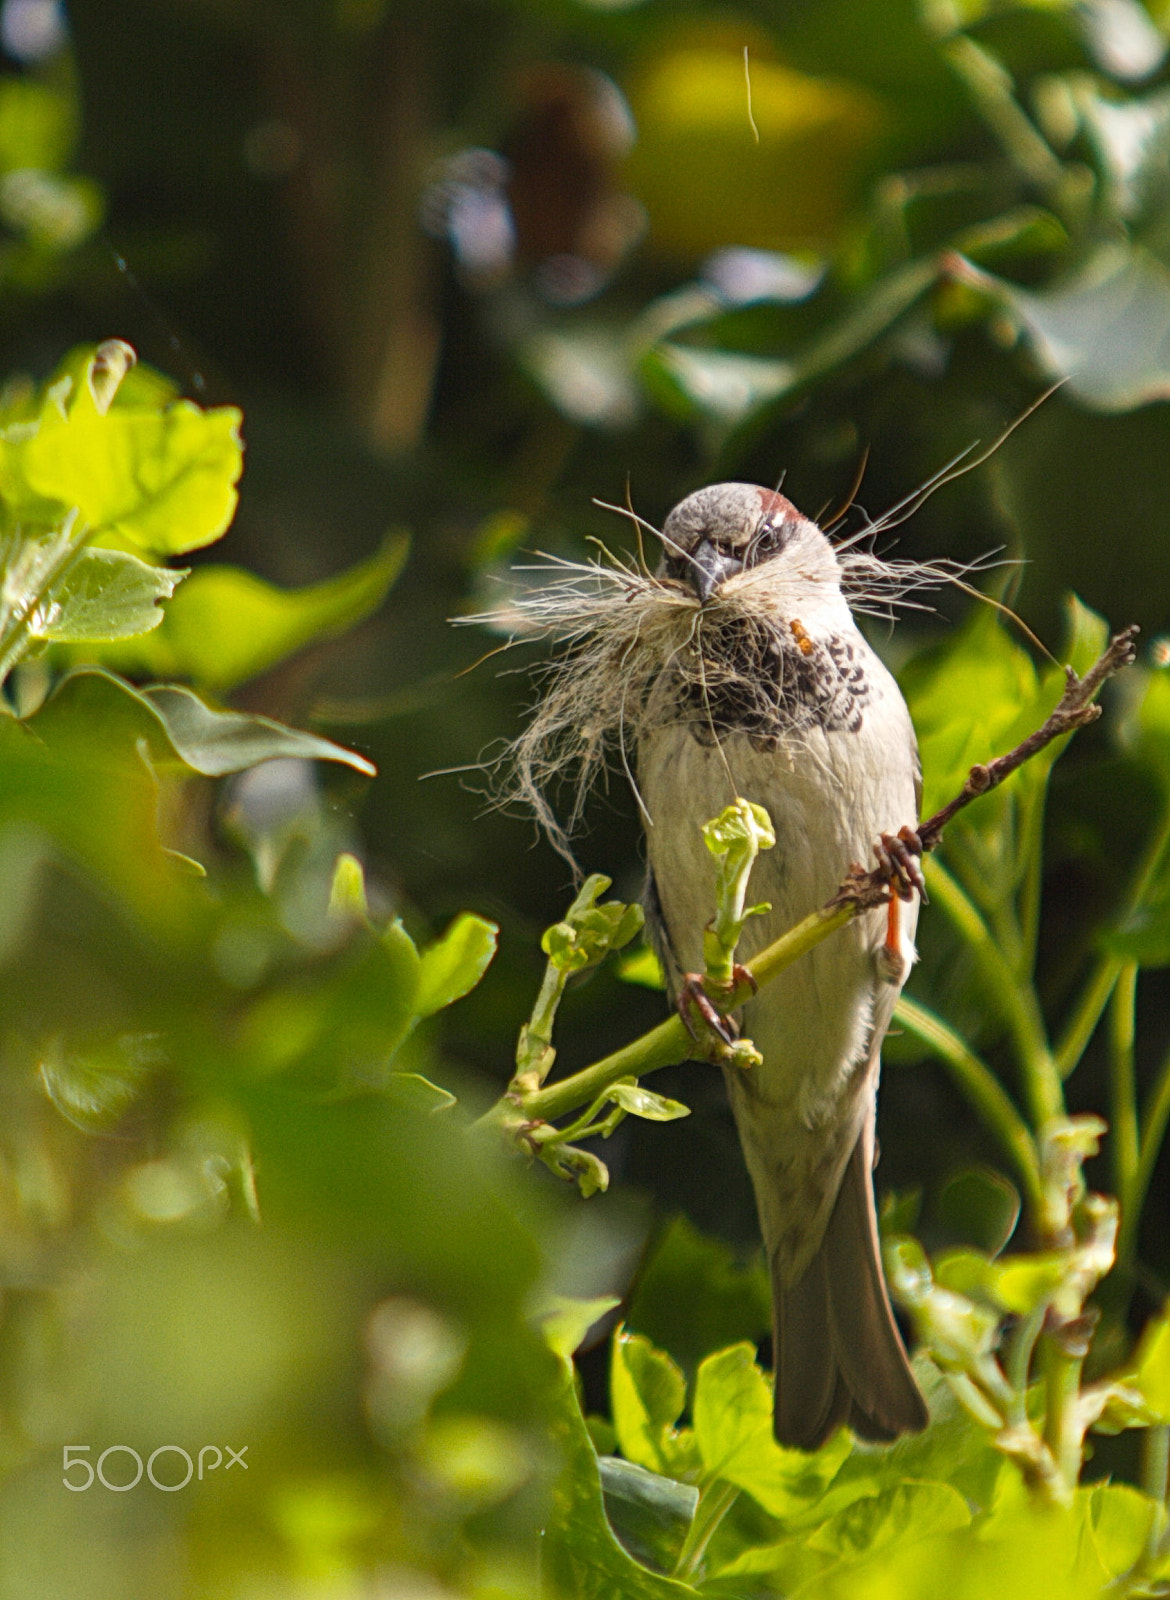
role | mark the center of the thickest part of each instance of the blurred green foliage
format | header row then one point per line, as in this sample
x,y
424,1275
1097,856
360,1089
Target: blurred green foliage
x,y
463,268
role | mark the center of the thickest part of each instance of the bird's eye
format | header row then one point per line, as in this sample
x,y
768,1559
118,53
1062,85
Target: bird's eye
x,y
768,540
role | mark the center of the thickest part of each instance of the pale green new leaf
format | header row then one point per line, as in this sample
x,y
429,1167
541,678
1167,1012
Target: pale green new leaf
x,y
453,966
105,594
645,1103
647,1394
733,1428
565,1321
1151,1368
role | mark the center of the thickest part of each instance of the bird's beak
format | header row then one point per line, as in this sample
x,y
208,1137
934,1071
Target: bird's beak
x,y
709,567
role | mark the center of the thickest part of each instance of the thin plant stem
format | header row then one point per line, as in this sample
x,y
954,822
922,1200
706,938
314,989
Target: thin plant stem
x,y
1095,996
1019,1359
669,1041
1156,1461
1122,1081
982,1088
1083,1023
1017,1001
14,637
1156,1114
991,89
1063,1433
715,1502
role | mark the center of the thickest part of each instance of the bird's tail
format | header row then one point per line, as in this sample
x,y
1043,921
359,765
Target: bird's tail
x,y
839,1356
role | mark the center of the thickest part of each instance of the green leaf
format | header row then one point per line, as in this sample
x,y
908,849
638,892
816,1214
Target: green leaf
x,y
93,1085
1121,1518
720,385
967,699
74,774
590,931
412,1089
38,124
981,1207
218,742
226,625
641,1102
105,594
454,965
581,1557
161,480
1150,1375
733,1429
649,1513
1107,331
565,1321
647,1394
1086,635
895,1516
642,967
694,1297
343,1031
1014,1283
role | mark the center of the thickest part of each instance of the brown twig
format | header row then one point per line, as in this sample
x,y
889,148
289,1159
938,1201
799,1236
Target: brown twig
x,y
895,873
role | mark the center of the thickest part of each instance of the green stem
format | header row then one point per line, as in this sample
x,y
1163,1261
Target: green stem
x,y
1100,986
1019,1360
1062,1429
1123,1085
715,1501
991,89
1153,1128
983,1089
1156,1462
1015,999
1083,1023
669,1041
14,635
535,1055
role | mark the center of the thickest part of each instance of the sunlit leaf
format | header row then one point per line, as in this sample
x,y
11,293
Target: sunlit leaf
x,y
1150,1374
897,1515
453,966
565,1322
733,1429
643,967
161,480
105,594
647,1394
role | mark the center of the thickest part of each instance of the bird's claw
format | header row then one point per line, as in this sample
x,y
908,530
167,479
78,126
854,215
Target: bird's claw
x,y
899,858
693,999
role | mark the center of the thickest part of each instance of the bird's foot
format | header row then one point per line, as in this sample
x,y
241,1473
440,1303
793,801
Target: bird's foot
x,y
696,1001
899,858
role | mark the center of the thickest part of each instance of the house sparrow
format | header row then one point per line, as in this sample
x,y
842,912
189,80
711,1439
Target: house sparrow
x,y
737,670
797,714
